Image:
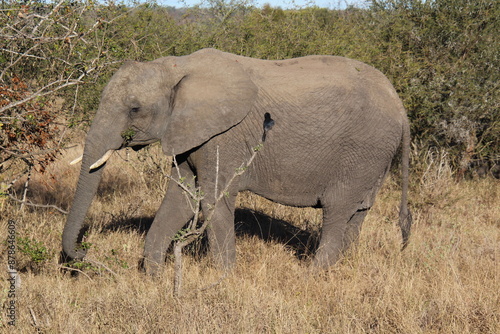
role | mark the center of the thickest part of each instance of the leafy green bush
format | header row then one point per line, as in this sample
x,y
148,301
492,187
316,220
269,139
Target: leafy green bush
x,y
33,254
444,60
442,56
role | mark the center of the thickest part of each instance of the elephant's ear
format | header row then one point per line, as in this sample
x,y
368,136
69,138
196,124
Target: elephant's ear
x,y
214,95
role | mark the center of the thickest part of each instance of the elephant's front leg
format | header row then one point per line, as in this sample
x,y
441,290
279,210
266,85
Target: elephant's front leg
x,y
175,211
220,229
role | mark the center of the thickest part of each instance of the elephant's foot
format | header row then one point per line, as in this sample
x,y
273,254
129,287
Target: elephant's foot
x,y
151,267
337,236
325,258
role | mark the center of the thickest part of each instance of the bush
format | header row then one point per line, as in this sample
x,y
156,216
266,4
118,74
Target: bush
x,y
444,62
442,56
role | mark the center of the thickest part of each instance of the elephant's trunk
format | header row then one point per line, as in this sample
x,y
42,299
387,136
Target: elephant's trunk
x,y
97,151
88,183
103,138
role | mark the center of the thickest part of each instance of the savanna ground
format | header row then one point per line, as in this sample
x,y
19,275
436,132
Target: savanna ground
x,y
446,281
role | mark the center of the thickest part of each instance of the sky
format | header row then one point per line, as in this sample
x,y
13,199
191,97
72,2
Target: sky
x,y
285,4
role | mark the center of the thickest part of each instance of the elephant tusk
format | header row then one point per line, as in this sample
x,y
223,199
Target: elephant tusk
x,y
77,160
101,161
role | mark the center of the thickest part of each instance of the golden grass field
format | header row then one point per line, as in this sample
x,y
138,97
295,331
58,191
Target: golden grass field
x,y
446,281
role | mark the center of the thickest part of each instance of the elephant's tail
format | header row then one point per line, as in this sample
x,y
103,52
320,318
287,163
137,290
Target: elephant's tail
x,y
405,218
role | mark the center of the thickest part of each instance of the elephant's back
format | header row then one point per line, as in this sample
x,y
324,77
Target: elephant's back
x,y
327,80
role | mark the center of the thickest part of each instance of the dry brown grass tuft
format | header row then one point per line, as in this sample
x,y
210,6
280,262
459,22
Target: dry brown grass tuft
x,y
446,281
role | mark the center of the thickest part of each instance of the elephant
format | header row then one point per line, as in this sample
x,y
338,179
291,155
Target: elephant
x,y
329,127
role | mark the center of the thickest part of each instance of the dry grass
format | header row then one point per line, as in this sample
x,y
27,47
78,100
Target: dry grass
x,y
446,281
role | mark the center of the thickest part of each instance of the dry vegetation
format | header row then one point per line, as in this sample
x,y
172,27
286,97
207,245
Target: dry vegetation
x,y
446,281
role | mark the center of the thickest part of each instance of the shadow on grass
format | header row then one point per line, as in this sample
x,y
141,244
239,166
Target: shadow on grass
x,y
247,223
140,225
253,223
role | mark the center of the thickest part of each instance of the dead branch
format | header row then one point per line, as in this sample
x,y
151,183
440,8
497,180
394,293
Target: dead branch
x,y
28,203
77,270
29,155
100,264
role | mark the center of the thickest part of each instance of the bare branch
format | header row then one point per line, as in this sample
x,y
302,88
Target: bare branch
x,y
42,91
217,172
21,55
100,264
54,10
177,270
187,192
25,54
50,206
25,190
28,155
244,166
214,284
17,178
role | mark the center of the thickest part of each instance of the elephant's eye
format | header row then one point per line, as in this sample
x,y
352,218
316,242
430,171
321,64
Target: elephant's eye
x,y
134,110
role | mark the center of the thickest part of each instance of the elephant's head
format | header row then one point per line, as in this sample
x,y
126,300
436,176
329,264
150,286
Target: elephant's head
x,y
180,101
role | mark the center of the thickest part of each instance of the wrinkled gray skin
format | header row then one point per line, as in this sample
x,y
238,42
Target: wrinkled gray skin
x,y
338,125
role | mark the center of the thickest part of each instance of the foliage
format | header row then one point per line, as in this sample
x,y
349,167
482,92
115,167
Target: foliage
x,y
442,56
46,47
25,126
35,250
444,61
128,134
114,259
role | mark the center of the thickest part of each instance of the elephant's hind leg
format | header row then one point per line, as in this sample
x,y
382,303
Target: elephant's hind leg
x,y
354,228
174,212
332,236
340,228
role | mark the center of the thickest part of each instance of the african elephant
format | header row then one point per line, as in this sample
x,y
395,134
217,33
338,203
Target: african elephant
x,y
331,127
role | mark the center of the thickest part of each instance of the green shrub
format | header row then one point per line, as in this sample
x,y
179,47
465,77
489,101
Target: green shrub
x,y
35,251
442,56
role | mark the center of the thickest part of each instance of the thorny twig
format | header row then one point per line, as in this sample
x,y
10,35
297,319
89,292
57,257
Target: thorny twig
x,y
25,190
